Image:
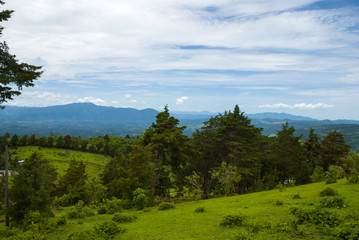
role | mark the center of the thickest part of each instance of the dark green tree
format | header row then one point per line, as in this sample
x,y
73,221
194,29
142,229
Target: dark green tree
x,y
312,149
32,187
32,141
288,156
334,148
23,140
14,141
12,73
232,139
170,152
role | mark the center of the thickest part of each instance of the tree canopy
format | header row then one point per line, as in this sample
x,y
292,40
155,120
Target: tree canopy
x,y
13,75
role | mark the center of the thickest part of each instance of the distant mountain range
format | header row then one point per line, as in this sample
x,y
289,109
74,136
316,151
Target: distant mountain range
x,y
90,120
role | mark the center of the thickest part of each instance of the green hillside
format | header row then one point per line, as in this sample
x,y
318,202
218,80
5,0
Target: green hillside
x,y
268,216
62,157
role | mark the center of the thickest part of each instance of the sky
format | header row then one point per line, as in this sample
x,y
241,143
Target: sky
x,y
299,57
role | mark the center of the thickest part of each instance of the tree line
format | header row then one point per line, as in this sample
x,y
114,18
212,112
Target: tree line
x,y
227,155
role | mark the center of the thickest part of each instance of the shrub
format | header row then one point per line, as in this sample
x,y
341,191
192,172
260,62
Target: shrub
x,y
328,192
80,211
333,173
140,198
233,220
108,230
332,202
61,221
165,206
297,196
346,231
317,216
110,206
120,218
199,210
353,177
279,203
318,174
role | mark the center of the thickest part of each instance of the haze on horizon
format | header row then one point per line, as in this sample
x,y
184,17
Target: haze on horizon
x,y
298,57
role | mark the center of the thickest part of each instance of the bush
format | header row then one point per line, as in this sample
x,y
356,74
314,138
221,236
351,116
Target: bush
x,y
318,174
199,210
328,192
297,196
279,203
353,177
332,202
165,206
80,211
349,230
108,230
333,173
110,206
120,218
140,198
317,216
61,221
233,220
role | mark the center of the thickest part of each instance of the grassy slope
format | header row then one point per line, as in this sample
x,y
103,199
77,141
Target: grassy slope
x,y
261,209
61,158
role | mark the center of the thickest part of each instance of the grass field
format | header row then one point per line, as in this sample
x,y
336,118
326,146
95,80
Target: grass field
x,y
266,219
62,157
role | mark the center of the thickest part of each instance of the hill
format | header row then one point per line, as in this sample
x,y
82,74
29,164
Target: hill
x,y
268,215
89,120
62,157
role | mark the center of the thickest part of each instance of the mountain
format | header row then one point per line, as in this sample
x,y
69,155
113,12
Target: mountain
x,y
90,120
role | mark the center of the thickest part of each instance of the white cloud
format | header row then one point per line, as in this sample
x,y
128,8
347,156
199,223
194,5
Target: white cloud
x,y
303,106
97,101
181,100
128,96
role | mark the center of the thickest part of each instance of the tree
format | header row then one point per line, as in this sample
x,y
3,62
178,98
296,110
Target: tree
x,y
288,156
334,148
170,152
14,141
312,149
32,187
232,139
12,73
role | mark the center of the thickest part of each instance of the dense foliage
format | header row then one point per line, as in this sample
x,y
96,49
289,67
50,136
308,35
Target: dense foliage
x,y
227,156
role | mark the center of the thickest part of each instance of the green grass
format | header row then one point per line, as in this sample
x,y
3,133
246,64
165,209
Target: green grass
x,y
262,211
62,157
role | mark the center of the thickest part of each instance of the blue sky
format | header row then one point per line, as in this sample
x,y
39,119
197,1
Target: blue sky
x,y
299,57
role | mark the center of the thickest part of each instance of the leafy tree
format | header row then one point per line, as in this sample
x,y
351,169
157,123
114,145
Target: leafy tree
x,y
23,140
123,175
13,73
75,174
32,140
229,138
312,149
14,140
170,152
32,187
288,156
67,142
334,148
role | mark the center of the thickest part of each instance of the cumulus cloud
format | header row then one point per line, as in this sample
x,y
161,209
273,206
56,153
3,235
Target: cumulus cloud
x,y
304,106
181,100
97,101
